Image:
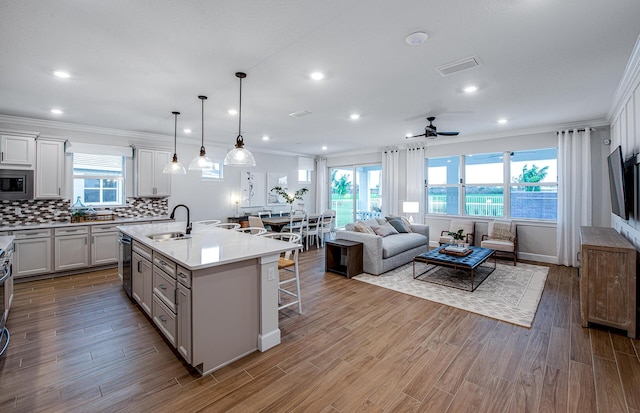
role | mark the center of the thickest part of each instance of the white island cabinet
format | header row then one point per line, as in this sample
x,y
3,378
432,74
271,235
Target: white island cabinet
x,y
215,292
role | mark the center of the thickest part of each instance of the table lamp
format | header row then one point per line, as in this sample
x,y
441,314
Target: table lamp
x,y
409,207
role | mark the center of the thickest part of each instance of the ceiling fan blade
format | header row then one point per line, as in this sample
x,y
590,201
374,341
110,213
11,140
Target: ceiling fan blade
x,y
448,133
415,136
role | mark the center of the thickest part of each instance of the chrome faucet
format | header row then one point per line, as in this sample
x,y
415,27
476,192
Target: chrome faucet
x,y
173,213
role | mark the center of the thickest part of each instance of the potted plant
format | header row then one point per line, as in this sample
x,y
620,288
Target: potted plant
x,y
457,236
289,198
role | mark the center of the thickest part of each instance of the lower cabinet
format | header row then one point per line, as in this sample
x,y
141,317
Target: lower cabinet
x,y
32,252
183,305
71,248
104,244
142,277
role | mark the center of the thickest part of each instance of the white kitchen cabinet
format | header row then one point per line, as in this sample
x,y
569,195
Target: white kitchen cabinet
x,y
17,151
71,248
49,168
150,181
32,252
183,319
104,244
142,278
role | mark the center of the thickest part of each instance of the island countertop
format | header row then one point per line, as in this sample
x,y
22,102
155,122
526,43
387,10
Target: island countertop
x,y
206,246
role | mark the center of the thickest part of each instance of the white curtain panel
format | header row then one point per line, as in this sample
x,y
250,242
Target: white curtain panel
x,y
390,192
415,177
574,193
322,186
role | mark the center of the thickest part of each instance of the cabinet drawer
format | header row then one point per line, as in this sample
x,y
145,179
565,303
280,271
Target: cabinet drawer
x,y
164,287
165,320
104,228
184,276
165,263
143,250
32,233
72,230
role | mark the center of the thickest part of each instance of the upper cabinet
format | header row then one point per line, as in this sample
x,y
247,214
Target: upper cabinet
x,y
17,151
49,168
150,181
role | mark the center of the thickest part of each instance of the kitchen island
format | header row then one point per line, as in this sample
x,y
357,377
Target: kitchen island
x,y
212,293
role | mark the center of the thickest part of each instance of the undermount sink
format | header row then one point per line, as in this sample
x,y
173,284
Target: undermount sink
x,y
168,236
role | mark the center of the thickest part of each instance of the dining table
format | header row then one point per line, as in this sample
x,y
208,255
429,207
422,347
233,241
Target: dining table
x,y
278,223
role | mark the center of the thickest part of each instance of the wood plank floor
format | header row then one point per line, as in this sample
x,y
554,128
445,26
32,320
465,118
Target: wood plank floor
x,y
79,344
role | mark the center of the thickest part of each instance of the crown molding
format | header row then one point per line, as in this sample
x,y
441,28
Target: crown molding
x,y
628,83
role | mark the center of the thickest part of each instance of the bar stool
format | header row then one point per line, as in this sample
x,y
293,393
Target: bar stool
x,y
208,222
227,225
252,230
288,262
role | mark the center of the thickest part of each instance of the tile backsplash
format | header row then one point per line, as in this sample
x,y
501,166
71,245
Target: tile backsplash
x,y
59,210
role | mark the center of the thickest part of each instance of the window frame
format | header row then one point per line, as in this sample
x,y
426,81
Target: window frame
x,y
120,178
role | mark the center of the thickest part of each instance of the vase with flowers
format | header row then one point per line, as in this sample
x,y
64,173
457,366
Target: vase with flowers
x,y
289,198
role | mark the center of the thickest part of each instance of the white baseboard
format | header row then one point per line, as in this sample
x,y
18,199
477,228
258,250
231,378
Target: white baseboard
x,y
271,339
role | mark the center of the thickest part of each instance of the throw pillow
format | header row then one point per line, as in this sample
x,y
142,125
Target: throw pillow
x,y
397,223
502,231
360,226
407,224
385,230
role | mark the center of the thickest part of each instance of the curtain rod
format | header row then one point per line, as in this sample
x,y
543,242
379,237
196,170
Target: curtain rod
x,y
579,130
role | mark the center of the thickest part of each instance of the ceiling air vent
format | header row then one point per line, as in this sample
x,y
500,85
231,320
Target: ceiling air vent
x,y
458,66
299,113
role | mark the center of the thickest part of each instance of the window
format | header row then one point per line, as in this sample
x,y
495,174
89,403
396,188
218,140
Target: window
x,y
305,167
304,176
214,173
99,179
536,175
519,185
443,188
484,188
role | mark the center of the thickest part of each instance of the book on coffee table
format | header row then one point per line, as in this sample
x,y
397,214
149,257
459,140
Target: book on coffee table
x,y
456,249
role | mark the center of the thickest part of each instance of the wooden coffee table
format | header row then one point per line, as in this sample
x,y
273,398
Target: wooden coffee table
x,y
470,262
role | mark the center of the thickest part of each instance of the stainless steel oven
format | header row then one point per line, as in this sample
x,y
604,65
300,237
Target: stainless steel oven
x,y
16,184
5,275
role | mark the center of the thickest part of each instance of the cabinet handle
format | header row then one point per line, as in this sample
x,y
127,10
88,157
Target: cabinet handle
x,y
2,156
139,269
58,191
162,287
181,275
162,318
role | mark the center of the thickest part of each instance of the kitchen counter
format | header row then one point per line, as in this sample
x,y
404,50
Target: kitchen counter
x,y
206,246
119,221
5,241
213,295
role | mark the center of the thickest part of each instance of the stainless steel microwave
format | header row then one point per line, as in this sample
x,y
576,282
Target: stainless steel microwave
x,y
16,184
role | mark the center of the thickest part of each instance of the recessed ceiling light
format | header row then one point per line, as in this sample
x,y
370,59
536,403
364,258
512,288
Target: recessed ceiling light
x,y
470,89
317,75
233,112
502,121
324,148
354,116
61,74
187,130
265,138
416,38
57,111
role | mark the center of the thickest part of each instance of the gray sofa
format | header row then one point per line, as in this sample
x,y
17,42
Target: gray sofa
x,y
382,254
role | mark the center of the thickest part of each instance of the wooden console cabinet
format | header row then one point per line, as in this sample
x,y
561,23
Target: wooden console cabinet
x,y
608,279
343,257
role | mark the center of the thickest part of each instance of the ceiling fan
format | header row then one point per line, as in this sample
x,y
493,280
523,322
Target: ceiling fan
x,y
430,131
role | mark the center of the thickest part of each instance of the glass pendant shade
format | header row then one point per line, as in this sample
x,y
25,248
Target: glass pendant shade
x,y
239,156
174,167
201,162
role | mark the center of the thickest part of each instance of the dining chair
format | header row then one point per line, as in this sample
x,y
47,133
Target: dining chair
x,y
288,264
252,230
311,231
227,225
264,214
327,226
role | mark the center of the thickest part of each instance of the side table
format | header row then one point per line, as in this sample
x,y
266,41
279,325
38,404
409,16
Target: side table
x,y
343,257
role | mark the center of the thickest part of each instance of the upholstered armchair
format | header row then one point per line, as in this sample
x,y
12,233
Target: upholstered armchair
x,y
502,236
468,229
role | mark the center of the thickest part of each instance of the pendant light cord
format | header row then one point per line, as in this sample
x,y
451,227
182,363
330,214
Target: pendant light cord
x,y
202,98
175,132
240,112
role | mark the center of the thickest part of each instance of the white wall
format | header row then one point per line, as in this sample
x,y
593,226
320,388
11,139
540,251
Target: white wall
x,y
625,131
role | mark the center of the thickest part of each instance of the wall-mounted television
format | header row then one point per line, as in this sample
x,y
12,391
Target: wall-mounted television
x,y
617,184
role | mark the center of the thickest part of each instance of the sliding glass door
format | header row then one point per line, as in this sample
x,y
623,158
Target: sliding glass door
x,y
356,193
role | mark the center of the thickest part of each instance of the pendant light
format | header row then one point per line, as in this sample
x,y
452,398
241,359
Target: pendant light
x,y
201,162
239,156
174,167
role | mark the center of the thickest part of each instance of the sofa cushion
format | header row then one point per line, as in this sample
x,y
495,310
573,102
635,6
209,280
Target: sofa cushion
x,y
397,223
395,244
362,227
385,230
498,245
407,224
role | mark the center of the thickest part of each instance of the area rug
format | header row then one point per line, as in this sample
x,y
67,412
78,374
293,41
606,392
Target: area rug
x,y
510,293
